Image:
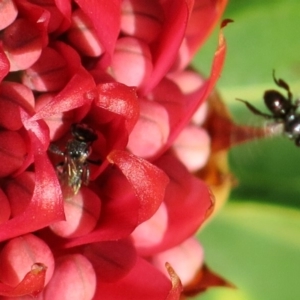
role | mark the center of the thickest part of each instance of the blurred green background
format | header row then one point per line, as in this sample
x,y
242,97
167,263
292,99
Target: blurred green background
x,y
254,242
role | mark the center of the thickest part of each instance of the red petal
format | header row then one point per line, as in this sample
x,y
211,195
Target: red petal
x,y
194,100
177,288
165,50
4,64
118,202
13,96
22,43
105,16
188,201
37,16
13,152
48,74
148,181
205,15
74,93
143,282
111,260
120,99
32,284
46,204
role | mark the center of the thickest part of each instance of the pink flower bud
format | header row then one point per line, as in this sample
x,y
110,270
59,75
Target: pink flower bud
x,y
82,212
131,62
8,13
151,130
142,19
49,73
22,43
19,254
83,35
74,278
192,147
152,231
187,81
186,259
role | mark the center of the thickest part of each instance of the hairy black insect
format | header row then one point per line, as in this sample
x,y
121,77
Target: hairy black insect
x,y
282,110
74,170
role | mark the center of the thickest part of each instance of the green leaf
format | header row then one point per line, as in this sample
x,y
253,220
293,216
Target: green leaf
x,y
256,247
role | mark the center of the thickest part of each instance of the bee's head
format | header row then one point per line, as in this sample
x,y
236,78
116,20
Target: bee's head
x,y
82,132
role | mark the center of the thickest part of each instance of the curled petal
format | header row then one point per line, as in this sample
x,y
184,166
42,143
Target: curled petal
x,y
194,100
105,17
73,94
176,16
46,204
19,254
148,181
32,283
118,202
119,99
188,201
177,288
204,17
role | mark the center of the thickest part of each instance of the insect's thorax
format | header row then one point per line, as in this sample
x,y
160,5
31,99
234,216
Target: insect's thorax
x,y
292,125
78,150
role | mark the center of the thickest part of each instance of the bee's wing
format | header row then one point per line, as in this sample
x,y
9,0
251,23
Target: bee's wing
x,y
273,128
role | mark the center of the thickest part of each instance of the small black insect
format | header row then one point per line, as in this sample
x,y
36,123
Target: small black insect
x,y
283,110
74,170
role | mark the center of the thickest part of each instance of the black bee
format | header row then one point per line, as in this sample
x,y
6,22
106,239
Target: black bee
x,y
283,110
74,170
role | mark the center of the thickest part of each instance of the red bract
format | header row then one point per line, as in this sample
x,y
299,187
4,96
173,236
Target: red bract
x,y
100,131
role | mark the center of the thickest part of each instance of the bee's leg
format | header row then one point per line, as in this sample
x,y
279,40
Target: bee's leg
x,y
94,162
54,149
85,174
255,110
281,83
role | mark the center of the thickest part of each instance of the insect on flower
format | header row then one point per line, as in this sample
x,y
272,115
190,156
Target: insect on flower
x,y
74,170
283,110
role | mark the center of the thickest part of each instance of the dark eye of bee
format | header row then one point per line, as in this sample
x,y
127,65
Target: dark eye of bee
x,y
281,110
82,132
74,170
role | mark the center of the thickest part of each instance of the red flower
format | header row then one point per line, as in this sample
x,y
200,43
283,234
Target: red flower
x,y
102,208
